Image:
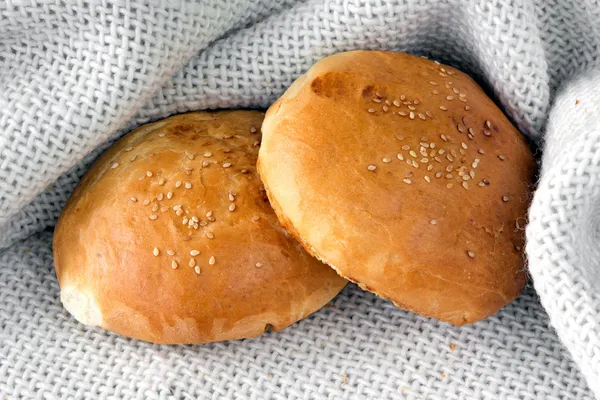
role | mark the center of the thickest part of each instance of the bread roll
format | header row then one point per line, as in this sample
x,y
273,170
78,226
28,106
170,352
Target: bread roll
x,y
402,175
170,238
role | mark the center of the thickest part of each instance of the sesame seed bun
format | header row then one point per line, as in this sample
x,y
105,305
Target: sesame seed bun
x,y
402,175
170,238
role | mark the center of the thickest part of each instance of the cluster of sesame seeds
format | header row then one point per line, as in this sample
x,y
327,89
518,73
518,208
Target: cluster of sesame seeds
x,y
399,106
163,201
455,155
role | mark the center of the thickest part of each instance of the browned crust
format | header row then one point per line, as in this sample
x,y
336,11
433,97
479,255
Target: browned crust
x,y
371,226
104,241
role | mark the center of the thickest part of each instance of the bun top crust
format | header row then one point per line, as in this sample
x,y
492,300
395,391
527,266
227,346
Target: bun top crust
x,y
170,238
402,175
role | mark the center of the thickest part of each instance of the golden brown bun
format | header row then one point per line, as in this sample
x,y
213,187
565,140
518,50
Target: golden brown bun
x,y
127,205
334,160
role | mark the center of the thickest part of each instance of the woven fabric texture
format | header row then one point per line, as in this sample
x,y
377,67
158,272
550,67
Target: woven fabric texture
x,y
76,75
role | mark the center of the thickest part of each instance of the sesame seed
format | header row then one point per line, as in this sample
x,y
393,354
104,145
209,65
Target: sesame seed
x,y
211,260
481,151
378,94
422,116
455,90
156,252
424,160
170,252
197,269
467,108
486,181
232,207
429,114
387,160
449,157
210,235
441,151
444,138
371,110
128,148
169,195
449,186
185,220
464,145
436,158
505,198
155,207
471,131
161,135
481,184
462,95
501,157
402,113
192,262
518,248
449,176
488,124
466,177
371,167
406,147
376,100
433,222
427,178
115,165
159,197
188,185
429,167
449,168
400,157
406,180
149,173
460,128
256,143
191,156
465,185
205,164
177,207
146,202
255,218
252,130
396,103
434,91
462,99
402,97
415,164
133,158
472,174
471,254
449,98
487,133
416,101
209,214
432,83
188,171
174,264
133,199
226,165
438,174
385,108
194,253
178,184
411,115
413,108
259,265
412,153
